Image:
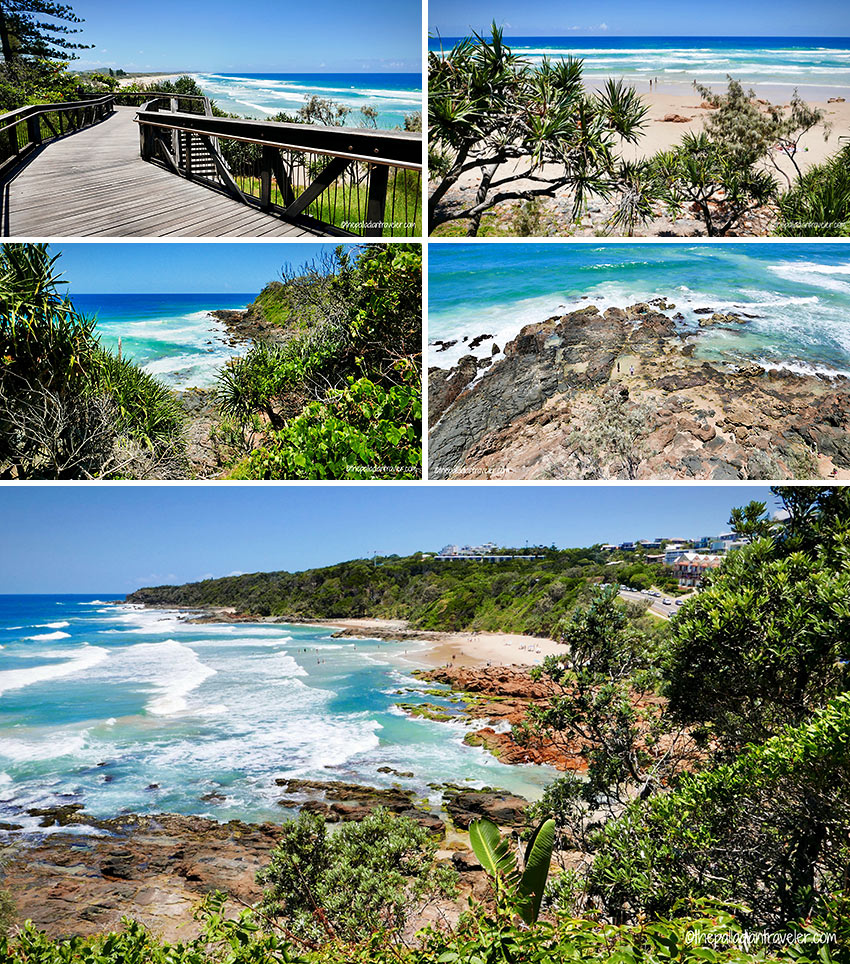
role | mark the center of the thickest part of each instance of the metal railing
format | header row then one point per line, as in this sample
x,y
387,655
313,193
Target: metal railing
x,y
342,181
24,130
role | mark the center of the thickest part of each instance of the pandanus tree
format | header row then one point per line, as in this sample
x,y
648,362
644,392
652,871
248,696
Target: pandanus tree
x,y
68,408
520,131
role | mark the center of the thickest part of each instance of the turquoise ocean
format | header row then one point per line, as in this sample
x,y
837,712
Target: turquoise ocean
x,y
262,95
799,295
99,702
814,64
172,336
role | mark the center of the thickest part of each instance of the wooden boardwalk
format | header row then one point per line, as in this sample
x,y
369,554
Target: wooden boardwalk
x,y
94,183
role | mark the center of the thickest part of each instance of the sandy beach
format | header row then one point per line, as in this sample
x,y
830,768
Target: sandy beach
x,y
661,134
145,79
461,649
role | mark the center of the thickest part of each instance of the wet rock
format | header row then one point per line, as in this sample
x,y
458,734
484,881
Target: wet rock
x,y
502,808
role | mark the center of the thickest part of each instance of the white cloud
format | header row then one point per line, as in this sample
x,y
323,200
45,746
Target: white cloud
x,y
603,26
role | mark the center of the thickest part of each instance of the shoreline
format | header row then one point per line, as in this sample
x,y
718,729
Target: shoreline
x,y
82,873
154,78
467,649
472,649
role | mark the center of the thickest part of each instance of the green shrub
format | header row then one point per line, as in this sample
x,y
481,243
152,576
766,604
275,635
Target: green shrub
x,y
769,831
362,431
818,205
364,877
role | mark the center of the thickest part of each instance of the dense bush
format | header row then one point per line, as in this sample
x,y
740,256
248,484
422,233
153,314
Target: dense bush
x,y
818,205
346,885
769,832
342,395
773,624
68,408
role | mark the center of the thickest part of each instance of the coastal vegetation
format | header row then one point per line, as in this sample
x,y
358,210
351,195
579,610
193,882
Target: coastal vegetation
x,y
504,132
519,595
705,822
341,397
68,407
332,389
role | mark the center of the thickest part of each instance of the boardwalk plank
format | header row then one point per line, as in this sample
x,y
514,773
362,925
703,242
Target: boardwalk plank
x,y
94,184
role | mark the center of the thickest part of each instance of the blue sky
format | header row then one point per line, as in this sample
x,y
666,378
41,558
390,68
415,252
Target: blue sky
x,y
625,18
165,268
255,36
118,538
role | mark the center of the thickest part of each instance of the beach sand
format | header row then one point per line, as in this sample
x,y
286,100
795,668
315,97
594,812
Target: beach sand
x,y
145,79
659,135
462,649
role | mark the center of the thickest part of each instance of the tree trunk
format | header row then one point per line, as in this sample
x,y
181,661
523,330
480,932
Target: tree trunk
x,y
480,197
5,42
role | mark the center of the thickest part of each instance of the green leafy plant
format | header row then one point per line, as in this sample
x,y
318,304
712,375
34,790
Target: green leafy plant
x,y
522,890
488,110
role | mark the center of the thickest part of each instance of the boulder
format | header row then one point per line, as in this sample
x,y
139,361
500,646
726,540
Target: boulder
x,y
502,808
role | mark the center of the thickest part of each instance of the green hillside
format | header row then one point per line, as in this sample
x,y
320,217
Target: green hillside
x,y
522,595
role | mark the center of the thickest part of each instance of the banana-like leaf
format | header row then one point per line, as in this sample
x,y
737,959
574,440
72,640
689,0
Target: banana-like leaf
x,y
492,850
538,856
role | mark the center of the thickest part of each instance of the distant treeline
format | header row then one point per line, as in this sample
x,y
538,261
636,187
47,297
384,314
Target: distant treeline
x,y
529,596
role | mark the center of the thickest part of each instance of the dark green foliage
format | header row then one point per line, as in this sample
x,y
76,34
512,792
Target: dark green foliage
x,y
360,429
773,624
769,831
517,596
605,716
68,408
25,34
519,891
364,877
723,183
342,395
818,205
487,107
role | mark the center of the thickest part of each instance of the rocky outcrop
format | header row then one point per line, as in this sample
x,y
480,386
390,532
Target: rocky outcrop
x,y
499,681
502,808
155,869
703,420
337,801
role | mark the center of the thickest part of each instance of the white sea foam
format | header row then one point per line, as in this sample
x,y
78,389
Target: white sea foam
x,y
825,276
60,625
57,635
52,746
170,668
74,662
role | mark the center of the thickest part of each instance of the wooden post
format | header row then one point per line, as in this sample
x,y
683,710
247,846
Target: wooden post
x,y
377,202
175,135
34,130
266,162
146,141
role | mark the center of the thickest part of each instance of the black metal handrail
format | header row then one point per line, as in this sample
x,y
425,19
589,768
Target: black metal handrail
x,y
24,130
341,180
